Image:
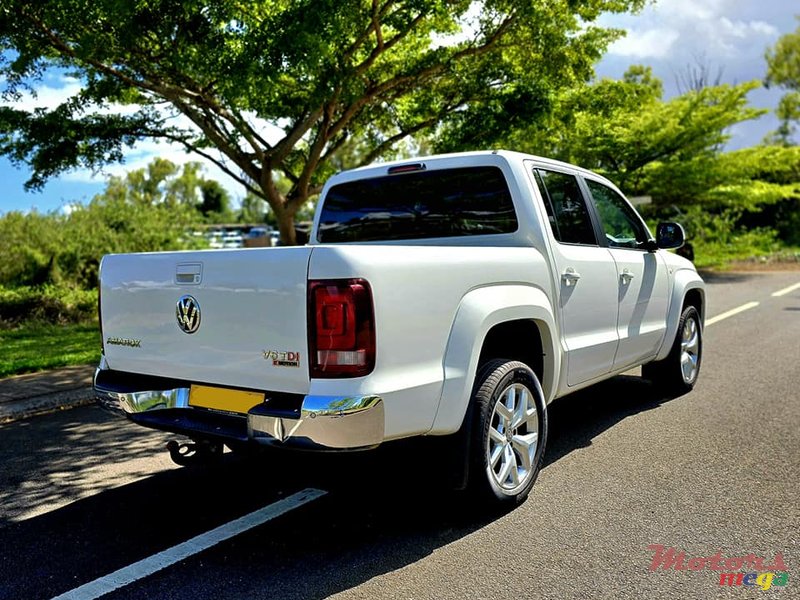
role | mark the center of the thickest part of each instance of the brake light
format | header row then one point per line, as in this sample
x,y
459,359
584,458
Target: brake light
x,y
341,328
406,168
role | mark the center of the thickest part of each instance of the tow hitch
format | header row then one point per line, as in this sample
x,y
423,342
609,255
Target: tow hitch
x,y
200,452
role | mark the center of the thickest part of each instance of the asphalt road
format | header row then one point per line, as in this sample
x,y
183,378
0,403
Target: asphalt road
x,y
83,494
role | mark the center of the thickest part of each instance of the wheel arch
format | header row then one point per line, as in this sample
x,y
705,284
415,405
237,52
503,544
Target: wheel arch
x,y
485,319
688,290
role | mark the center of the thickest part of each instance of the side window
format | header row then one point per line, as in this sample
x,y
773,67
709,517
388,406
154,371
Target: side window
x,y
622,227
566,207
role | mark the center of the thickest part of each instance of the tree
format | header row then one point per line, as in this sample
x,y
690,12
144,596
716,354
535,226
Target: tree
x,y
646,145
253,209
215,205
783,69
161,181
320,73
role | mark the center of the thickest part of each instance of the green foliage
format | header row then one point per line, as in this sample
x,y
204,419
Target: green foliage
x,y
148,210
736,203
36,347
46,304
783,62
30,245
646,145
326,73
719,237
254,209
216,204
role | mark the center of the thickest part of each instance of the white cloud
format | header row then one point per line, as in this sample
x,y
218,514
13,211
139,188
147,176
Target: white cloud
x,y
716,29
727,34
46,96
143,154
689,9
653,43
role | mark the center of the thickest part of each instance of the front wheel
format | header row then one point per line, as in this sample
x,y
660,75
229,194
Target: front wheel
x,y
509,433
678,372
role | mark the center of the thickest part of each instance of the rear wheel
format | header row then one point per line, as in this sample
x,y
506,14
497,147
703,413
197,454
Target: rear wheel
x,y
678,372
509,432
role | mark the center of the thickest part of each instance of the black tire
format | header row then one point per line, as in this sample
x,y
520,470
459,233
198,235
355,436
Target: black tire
x,y
500,382
669,374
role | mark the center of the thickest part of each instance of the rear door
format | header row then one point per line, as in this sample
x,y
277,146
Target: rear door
x,y
226,317
587,278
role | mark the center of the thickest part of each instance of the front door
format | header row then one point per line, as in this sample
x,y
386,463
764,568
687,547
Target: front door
x,y
642,278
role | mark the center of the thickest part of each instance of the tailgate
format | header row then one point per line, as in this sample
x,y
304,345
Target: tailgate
x,y
226,317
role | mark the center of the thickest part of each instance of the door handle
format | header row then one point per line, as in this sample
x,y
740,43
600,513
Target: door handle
x,y
626,276
570,277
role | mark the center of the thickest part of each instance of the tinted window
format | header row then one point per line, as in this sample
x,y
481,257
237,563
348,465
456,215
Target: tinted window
x,y
423,204
622,227
566,208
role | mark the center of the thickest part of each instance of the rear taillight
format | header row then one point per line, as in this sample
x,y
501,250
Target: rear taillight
x,y
341,328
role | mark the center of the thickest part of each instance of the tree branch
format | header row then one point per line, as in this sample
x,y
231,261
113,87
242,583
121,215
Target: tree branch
x,y
333,148
217,137
400,80
382,47
388,142
281,150
376,24
219,163
359,41
299,191
174,94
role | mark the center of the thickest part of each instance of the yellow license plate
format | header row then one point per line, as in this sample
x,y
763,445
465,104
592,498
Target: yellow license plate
x,y
223,399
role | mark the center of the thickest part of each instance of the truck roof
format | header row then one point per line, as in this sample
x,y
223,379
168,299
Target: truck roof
x,y
508,155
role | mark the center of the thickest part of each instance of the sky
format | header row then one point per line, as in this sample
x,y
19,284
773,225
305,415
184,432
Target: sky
x,y
728,36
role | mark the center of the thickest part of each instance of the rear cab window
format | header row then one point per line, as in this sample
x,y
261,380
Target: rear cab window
x,y
423,204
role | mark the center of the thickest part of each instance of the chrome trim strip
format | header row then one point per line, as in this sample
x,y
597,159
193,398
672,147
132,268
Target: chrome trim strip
x,y
333,422
324,422
139,402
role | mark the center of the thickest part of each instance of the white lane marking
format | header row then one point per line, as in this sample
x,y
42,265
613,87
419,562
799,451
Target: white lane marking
x,y
786,290
730,313
152,564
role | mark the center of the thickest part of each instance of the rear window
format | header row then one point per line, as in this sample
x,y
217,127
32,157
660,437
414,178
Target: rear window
x,y
422,204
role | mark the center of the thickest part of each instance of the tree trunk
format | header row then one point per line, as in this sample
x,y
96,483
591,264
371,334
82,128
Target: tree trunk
x,y
286,227
284,211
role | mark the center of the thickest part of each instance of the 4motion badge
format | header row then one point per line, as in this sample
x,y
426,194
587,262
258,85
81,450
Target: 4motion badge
x,y
187,311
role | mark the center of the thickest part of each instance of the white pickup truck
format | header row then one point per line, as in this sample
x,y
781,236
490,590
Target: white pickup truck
x,y
453,295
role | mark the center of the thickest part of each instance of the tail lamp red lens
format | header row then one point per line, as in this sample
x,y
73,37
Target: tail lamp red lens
x,y
341,328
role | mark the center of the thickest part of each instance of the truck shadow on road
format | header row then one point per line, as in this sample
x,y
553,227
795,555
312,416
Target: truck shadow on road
x,y
380,515
575,420
54,459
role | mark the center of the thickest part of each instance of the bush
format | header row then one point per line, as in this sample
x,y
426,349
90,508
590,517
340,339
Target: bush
x,y
720,236
65,250
46,304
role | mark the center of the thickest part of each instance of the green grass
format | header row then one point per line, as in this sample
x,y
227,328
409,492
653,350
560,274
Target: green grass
x,y
37,347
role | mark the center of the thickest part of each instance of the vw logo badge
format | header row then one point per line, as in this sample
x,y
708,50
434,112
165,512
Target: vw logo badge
x,y
187,312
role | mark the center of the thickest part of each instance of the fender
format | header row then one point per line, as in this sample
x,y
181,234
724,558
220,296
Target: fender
x,y
479,311
684,280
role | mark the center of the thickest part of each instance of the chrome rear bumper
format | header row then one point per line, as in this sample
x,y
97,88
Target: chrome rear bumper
x,y
321,423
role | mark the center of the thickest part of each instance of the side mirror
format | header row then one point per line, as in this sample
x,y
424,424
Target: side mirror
x,y
670,235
